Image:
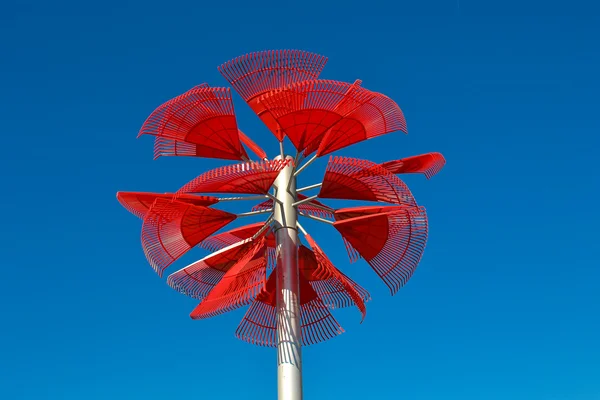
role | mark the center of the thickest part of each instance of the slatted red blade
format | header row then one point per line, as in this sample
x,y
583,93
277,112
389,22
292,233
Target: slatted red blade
x,y
222,240
313,207
392,242
331,285
427,164
353,212
355,179
256,149
306,110
201,122
259,325
248,178
254,74
379,116
235,235
171,228
138,203
239,285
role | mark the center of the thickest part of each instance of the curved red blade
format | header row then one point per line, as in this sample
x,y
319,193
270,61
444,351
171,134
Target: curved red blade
x,y
392,242
355,179
235,235
306,110
222,240
378,116
256,149
346,213
332,286
427,164
171,228
353,212
254,74
248,178
203,118
138,203
239,285
259,325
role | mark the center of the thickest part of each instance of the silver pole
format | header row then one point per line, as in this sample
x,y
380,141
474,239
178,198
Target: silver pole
x,y
289,355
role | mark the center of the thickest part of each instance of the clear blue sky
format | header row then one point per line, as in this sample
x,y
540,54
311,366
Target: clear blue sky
x,y
505,303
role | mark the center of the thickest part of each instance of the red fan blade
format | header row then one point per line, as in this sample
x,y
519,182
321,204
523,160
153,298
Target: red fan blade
x,y
248,178
353,212
314,207
203,118
305,111
256,149
171,228
221,240
392,242
355,179
259,325
199,278
428,164
254,74
378,116
332,286
346,213
239,285
138,203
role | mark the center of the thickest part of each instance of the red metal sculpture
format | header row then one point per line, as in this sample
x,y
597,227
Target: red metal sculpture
x,y
290,287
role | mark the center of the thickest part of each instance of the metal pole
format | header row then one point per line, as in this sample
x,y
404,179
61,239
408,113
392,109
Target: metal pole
x,y
289,356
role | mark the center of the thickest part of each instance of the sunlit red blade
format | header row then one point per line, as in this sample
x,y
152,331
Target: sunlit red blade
x,y
256,149
355,179
353,212
138,203
254,74
199,278
428,164
171,228
392,243
376,117
222,240
248,178
259,325
305,111
331,285
239,285
313,207
202,117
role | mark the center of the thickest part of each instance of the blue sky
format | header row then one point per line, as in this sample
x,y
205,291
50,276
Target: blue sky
x,y
504,304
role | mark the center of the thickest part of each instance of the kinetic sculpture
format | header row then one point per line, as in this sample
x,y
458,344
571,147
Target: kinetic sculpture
x,y
290,287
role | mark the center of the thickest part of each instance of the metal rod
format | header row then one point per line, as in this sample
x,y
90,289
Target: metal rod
x,y
242,198
264,227
316,218
322,207
269,195
306,164
306,200
305,188
289,354
281,152
301,228
250,213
